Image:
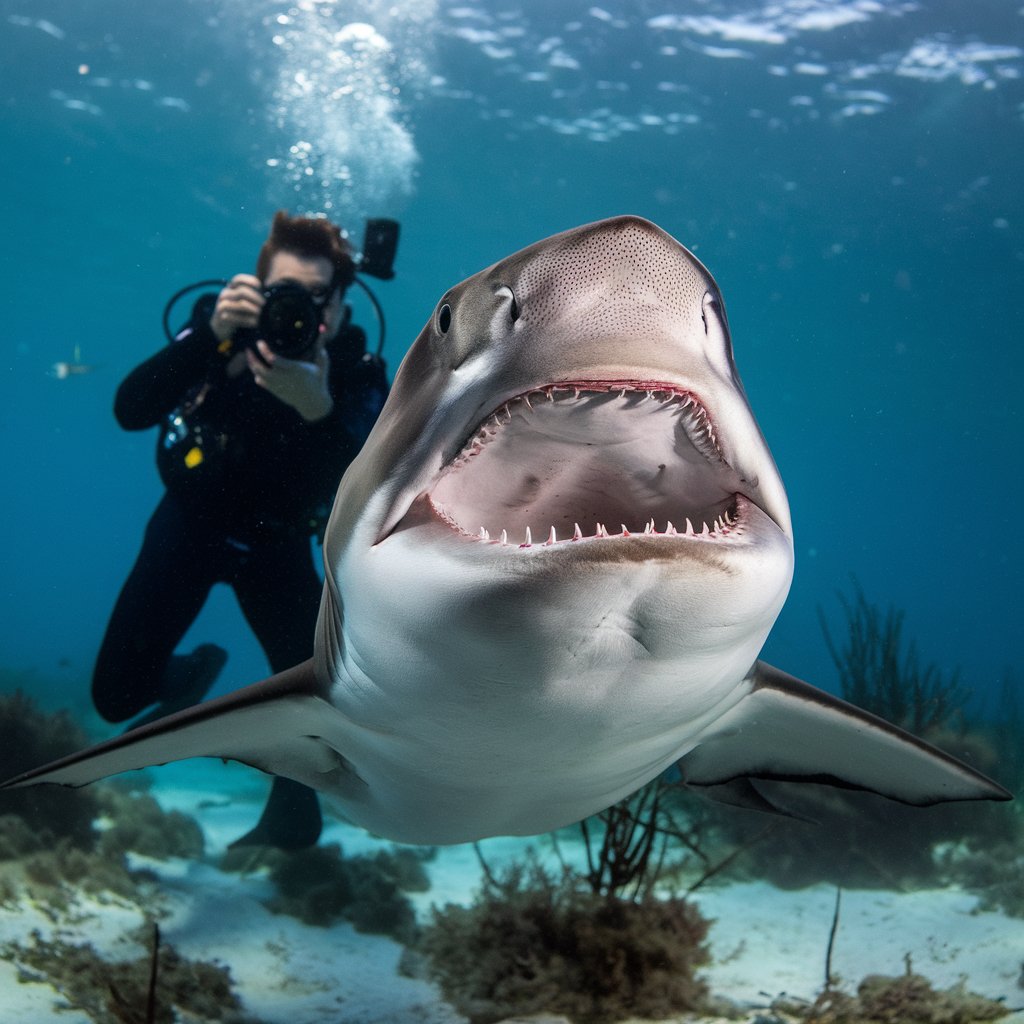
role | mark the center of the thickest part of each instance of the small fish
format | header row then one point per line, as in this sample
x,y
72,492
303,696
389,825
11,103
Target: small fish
x,y
72,368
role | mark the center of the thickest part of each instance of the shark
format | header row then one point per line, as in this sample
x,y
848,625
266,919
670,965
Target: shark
x,y
549,575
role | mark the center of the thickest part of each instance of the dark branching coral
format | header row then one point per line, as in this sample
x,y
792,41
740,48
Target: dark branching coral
x,y
533,943
652,839
627,848
117,992
879,672
28,738
1008,732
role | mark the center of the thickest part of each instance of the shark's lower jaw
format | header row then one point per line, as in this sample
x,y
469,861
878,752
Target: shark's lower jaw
x,y
599,461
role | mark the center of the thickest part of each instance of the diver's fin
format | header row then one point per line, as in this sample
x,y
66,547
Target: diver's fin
x,y
273,725
787,730
291,819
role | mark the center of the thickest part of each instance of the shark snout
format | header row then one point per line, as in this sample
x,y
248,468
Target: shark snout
x,y
618,333
617,276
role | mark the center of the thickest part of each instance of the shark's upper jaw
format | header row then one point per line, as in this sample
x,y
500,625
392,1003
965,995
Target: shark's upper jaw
x,y
600,460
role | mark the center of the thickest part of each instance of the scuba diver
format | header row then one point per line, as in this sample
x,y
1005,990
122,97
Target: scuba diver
x,y
262,401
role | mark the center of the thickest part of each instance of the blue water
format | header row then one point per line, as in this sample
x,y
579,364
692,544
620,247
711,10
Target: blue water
x,y
849,172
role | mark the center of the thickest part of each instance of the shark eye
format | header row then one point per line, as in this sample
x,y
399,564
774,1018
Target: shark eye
x,y
444,318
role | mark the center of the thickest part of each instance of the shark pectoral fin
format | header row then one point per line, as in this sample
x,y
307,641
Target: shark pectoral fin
x,y
785,729
741,792
272,725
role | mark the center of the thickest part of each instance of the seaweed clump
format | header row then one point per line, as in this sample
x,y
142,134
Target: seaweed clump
x,y
319,886
77,838
65,868
906,999
117,992
994,872
34,820
137,823
597,945
30,737
533,943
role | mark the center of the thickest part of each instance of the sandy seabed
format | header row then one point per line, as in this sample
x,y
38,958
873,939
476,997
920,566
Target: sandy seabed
x,y
764,941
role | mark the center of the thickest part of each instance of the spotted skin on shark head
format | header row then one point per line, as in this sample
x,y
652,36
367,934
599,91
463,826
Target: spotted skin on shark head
x,y
549,575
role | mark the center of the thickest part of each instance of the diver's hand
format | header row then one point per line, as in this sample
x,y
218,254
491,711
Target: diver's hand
x,y
238,305
302,385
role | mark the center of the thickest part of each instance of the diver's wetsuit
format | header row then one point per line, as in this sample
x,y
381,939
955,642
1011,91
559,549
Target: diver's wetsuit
x,y
248,482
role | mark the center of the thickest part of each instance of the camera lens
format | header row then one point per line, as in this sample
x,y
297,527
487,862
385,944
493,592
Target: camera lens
x,y
290,319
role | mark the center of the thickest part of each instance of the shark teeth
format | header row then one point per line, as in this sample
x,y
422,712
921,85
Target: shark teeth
x,y
576,462
728,524
694,418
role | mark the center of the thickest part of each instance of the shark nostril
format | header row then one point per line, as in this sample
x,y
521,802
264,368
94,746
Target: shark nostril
x,y
513,307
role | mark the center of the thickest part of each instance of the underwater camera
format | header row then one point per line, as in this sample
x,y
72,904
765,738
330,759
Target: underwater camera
x,y
292,314
289,320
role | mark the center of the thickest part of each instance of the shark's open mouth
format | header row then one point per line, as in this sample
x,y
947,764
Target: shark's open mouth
x,y
600,460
